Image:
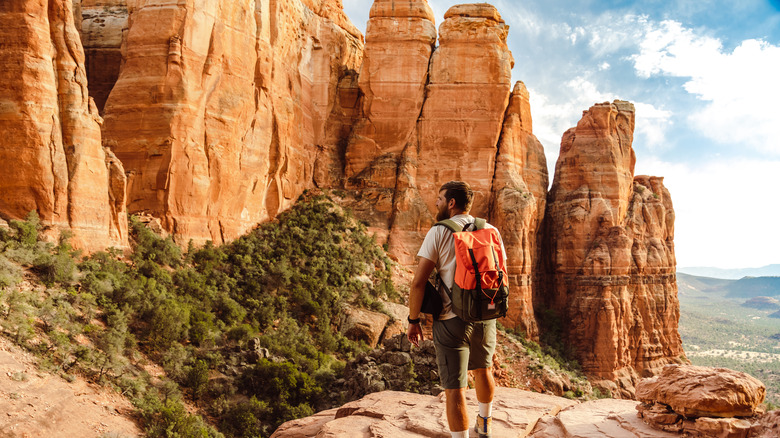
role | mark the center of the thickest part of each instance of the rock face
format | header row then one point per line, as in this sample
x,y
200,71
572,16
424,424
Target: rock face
x,y
515,413
518,202
610,253
52,156
101,24
597,419
223,110
403,414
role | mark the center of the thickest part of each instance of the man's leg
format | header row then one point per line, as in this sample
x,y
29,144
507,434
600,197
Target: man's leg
x,y
485,383
452,354
482,348
457,417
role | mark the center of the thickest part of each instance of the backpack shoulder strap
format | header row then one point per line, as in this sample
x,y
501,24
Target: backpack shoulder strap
x,y
479,223
448,224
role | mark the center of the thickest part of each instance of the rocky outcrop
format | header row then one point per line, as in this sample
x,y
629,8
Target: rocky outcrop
x,y
695,391
610,253
51,154
396,366
403,414
703,401
605,418
223,111
518,202
515,413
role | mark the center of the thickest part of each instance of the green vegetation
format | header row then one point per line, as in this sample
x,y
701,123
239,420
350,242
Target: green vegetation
x,y
246,332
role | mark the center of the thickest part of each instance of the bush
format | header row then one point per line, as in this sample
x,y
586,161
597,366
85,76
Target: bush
x,y
10,273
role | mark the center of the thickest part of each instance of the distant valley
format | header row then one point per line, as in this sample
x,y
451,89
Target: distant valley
x,y
733,274
733,324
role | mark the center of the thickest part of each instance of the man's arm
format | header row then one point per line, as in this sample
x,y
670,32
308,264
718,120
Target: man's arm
x,y
416,293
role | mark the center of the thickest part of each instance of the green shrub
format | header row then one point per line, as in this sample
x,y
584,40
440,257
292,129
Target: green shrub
x,y
10,273
26,232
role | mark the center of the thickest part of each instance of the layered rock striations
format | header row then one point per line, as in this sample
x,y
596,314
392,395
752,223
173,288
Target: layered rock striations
x,y
101,24
518,201
51,153
222,108
466,99
610,253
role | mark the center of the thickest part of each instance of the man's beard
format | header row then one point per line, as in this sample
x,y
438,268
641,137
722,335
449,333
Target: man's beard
x,y
442,214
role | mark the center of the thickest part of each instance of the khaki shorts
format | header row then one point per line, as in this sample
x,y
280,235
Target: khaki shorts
x,y
463,346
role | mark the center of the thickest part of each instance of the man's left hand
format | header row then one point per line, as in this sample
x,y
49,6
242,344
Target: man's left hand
x,y
415,334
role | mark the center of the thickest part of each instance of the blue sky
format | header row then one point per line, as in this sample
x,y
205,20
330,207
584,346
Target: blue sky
x,y
704,76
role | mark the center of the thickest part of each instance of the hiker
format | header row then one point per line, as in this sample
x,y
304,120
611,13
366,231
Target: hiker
x,y
460,345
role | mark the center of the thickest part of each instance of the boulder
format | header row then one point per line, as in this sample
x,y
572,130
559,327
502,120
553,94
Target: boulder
x,y
363,325
694,391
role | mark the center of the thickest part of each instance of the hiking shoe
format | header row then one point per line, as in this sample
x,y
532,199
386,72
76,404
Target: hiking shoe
x,y
483,427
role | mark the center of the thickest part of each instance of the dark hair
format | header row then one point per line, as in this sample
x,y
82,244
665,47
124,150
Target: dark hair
x,y
461,192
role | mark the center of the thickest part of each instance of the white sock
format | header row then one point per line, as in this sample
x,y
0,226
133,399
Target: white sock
x,y
463,434
485,409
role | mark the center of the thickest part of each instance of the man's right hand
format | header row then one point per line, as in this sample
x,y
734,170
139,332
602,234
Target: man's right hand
x,y
415,334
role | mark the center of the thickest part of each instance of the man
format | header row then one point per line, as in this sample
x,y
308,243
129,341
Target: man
x,y
460,346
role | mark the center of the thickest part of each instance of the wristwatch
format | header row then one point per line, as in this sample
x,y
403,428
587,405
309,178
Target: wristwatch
x,y
413,321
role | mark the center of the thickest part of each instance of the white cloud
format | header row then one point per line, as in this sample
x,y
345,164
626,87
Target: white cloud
x,y
725,214
651,126
552,117
741,88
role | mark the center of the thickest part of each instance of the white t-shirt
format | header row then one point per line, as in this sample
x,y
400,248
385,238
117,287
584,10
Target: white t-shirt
x,y
439,247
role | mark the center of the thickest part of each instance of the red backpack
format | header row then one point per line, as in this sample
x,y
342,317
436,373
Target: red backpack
x,y
480,290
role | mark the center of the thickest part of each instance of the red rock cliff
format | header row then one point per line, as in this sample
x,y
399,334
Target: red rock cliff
x,y
518,203
223,110
609,245
101,24
51,153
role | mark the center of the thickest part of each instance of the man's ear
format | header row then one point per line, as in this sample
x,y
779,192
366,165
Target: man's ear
x,y
451,203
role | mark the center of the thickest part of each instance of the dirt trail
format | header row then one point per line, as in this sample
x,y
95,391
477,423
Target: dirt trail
x,y
37,404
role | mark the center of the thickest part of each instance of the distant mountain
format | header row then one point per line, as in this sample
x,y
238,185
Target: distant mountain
x,y
762,303
750,287
747,287
775,315
691,283
734,274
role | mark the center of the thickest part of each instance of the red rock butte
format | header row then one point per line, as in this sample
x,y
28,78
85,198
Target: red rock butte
x,y
215,116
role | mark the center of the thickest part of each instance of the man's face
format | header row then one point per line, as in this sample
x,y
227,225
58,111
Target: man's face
x,y
442,212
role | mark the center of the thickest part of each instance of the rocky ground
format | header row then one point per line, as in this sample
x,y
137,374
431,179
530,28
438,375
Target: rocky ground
x,y
39,404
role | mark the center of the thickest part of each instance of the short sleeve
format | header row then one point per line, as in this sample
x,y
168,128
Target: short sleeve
x,y
428,247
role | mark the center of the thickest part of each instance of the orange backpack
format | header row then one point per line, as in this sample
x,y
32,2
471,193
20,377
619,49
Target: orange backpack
x,y
480,290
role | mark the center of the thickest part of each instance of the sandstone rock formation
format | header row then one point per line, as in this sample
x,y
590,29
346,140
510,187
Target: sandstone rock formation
x,y
703,401
222,109
695,391
52,156
610,253
605,418
518,202
515,413
402,414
